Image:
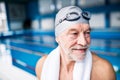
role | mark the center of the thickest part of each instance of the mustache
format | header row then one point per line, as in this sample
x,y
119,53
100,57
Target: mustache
x,y
80,47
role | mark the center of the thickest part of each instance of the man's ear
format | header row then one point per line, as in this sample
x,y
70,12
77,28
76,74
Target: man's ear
x,y
57,39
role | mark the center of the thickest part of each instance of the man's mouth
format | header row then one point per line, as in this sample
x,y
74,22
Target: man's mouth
x,y
82,50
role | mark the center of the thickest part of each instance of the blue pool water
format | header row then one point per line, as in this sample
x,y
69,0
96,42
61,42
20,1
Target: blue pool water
x,y
25,59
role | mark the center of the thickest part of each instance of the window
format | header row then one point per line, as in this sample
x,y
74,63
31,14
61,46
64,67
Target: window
x,y
3,18
46,6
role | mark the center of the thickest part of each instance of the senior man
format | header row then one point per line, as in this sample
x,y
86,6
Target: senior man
x,y
72,59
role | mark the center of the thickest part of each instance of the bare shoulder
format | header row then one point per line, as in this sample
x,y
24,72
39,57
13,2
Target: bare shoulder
x,y
102,68
39,65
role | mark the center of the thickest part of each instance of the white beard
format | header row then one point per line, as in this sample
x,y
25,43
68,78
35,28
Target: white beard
x,y
74,57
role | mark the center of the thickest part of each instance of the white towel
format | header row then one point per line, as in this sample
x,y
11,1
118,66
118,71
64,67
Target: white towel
x,y
51,67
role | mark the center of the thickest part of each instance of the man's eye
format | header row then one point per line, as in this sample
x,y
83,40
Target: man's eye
x,y
87,34
74,33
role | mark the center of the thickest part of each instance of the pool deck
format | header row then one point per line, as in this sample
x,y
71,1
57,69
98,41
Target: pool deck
x,y
10,72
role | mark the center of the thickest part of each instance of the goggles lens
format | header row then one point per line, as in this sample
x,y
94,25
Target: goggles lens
x,y
75,16
72,16
86,15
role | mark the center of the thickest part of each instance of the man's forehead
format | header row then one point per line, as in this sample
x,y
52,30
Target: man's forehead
x,y
79,26
73,29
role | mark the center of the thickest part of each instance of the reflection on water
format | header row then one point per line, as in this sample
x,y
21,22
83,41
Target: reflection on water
x,y
108,47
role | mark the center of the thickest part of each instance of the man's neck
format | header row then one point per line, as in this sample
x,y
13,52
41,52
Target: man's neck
x,y
66,63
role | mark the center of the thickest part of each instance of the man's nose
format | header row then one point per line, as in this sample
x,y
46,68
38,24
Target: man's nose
x,y
82,40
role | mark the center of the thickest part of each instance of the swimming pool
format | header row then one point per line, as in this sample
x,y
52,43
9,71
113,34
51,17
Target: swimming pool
x,y
25,50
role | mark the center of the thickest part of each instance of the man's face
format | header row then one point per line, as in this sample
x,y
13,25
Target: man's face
x,y
74,41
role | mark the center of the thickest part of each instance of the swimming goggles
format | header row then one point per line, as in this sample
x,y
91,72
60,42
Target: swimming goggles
x,y
73,16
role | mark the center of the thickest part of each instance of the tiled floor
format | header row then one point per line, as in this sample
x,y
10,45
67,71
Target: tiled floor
x,y
10,72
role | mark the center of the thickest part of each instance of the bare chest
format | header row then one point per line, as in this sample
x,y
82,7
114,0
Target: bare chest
x,y
64,75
